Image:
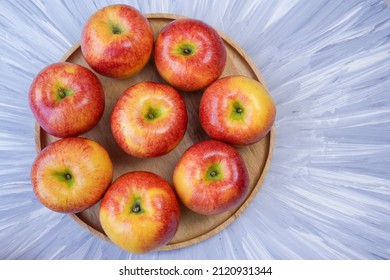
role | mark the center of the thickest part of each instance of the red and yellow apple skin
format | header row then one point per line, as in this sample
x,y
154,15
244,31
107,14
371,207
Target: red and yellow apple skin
x,y
149,119
71,174
117,41
237,110
140,212
66,99
211,178
189,54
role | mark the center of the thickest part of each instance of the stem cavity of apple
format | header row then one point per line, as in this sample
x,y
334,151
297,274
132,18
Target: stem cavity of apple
x,y
186,51
238,111
152,113
116,29
136,208
61,92
64,176
214,172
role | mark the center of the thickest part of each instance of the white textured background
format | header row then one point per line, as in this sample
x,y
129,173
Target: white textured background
x,y
327,192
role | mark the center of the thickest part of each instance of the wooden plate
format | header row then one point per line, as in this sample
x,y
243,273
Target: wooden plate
x,y
193,227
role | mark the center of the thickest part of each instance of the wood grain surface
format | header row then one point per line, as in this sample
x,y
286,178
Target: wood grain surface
x,y
193,227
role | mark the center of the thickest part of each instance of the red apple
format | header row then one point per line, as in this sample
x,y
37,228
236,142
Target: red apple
x,y
71,174
149,119
189,54
140,212
66,99
237,110
117,41
211,178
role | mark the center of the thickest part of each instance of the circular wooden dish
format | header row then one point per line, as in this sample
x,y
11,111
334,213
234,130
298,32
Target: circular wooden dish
x,y
193,227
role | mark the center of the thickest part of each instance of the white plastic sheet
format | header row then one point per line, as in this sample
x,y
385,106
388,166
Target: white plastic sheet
x,y
327,192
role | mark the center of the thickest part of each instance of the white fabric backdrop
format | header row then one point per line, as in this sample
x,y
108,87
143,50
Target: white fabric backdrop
x,y
327,192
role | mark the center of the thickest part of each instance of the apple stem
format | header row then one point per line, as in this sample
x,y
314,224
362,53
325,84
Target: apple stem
x,y
136,207
187,51
150,116
61,93
68,176
239,110
213,173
